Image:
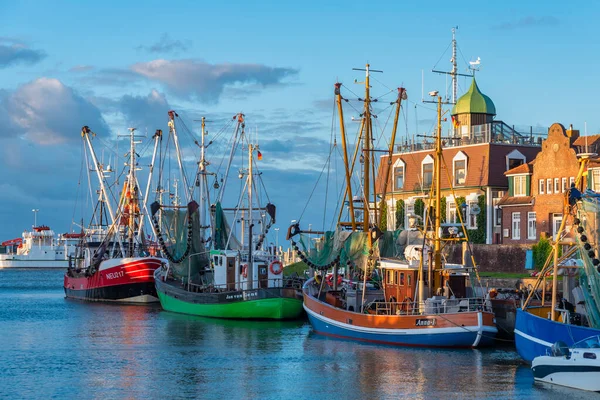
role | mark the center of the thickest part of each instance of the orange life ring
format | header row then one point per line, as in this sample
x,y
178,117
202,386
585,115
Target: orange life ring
x,y
245,270
279,269
329,280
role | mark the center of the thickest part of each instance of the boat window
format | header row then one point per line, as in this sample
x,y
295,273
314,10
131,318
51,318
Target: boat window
x,y
396,277
390,277
408,279
591,356
402,279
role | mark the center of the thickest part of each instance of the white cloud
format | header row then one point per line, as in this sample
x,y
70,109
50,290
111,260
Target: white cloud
x,y
47,112
193,78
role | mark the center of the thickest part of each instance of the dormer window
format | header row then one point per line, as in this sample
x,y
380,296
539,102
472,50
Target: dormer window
x,y
460,168
520,185
514,159
399,171
427,171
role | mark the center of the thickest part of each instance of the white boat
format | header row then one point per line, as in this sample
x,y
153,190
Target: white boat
x,y
576,367
39,248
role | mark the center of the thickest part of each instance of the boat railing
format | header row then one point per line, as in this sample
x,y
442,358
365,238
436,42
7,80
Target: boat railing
x,y
284,282
427,307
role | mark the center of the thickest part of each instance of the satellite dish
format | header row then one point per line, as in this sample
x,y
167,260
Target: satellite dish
x,y
475,210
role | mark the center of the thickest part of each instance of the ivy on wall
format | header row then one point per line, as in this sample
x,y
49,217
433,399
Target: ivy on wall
x,y
400,214
383,212
420,209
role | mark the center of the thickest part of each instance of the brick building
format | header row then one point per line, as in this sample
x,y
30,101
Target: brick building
x,y
476,156
534,202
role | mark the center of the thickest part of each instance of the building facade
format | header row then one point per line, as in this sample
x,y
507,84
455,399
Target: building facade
x,y
533,205
477,153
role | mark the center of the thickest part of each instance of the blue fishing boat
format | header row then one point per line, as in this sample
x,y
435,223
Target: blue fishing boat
x,y
538,328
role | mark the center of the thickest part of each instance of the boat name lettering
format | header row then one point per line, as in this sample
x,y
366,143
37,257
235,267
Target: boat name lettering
x,y
114,275
250,295
426,322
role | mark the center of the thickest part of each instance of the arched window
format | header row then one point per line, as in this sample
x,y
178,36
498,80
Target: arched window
x,y
459,166
399,169
427,172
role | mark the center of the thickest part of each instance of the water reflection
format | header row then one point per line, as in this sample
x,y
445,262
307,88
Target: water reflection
x,y
52,347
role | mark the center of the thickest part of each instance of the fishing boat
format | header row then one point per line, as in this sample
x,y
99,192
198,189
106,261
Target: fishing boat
x,y
114,264
576,366
211,271
537,328
39,248
397,289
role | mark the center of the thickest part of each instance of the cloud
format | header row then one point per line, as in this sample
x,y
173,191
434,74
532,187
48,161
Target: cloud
x,y
112,77
166,45
13,52
81,68
145,112
528,22
206,82
47,112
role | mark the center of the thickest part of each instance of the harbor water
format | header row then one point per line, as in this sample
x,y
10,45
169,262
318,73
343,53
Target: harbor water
x,y
56,348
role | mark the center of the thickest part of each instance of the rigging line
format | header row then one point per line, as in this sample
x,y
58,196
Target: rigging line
x,y
461,54
314,188
382,84
442,56
332,145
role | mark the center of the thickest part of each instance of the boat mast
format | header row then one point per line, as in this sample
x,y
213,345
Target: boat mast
x,y
85,133
401,95
437,254
202,167
367,153
240,124
172,115
454,66
338,99
131,192
250,224
157,139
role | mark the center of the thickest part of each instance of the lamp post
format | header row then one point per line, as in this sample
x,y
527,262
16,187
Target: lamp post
x,y
35,211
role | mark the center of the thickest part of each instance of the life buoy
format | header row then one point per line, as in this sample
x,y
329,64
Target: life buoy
x,y
278,270
329,280
245,270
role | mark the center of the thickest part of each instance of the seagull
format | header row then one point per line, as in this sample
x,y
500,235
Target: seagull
x,y
476,62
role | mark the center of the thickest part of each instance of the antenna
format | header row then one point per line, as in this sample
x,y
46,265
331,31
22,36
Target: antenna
x,y
454,72
585,132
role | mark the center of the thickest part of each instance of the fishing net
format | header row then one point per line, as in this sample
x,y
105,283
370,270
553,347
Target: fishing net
x,y
223,239
350,248
183,243
589,278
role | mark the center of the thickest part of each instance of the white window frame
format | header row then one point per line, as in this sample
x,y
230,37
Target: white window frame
x,y
516,226
595,179
515,155
556,185
451,210
542,186
531,226
571,181
497,210
426,160
564,184
549,186
519,181
471,218
399,164
409,209
460,156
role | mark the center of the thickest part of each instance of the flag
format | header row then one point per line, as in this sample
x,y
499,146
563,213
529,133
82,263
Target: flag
x,y
259,155
455,121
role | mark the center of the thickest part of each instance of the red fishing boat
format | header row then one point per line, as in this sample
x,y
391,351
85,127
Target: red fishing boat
x,y
114,262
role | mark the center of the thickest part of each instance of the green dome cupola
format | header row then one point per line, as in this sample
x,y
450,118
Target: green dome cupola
x,y
474,102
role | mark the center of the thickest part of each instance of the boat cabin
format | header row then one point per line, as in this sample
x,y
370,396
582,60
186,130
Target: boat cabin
x,y
232,271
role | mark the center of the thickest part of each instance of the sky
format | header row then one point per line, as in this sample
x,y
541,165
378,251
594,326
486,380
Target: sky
x,y
113,65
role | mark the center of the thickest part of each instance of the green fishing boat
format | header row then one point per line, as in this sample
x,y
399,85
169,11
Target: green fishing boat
x,y
214,270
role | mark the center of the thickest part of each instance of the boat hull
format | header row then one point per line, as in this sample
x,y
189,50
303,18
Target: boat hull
x,y
26,262
270,303
583,374
464,329
535,335
128,280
